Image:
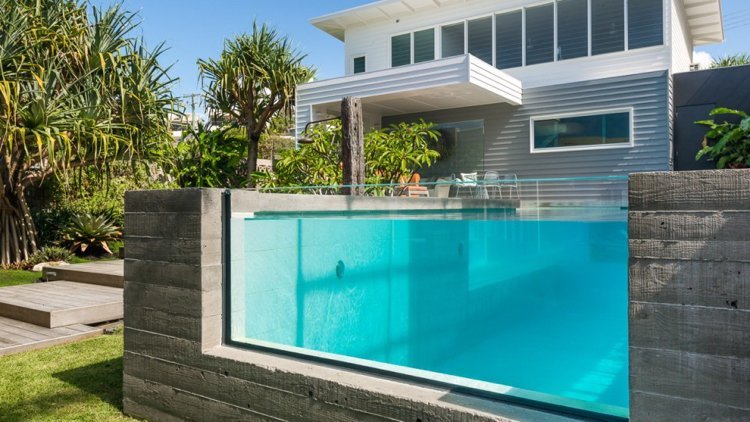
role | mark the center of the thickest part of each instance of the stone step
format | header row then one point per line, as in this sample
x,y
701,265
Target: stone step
x,y
61,303
103,273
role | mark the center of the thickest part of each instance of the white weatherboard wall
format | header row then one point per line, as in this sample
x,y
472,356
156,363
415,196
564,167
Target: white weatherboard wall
x,y
507,129
373,41
682,43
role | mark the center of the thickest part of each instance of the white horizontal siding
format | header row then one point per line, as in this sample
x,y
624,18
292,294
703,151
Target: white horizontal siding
x,y
682,43
374,41
401,79
507,129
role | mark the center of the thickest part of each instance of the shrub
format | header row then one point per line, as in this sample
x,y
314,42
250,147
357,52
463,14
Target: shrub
x,y
49,254
392,154
727,144
91,234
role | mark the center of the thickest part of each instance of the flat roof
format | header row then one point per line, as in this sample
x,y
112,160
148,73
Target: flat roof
x,y
704,17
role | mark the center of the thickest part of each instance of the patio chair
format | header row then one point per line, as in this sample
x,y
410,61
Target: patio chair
x,y
467,181
411,188
442,187
491,185
510,181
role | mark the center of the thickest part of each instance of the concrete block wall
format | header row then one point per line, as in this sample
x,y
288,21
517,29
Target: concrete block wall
x,y
690,296
175,365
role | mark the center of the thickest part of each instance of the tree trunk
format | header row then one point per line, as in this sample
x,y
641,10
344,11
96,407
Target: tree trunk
x,y
352,147
17,231
253,139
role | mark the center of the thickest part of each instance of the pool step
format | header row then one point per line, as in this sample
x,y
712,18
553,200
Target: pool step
x,y
61,303
103,273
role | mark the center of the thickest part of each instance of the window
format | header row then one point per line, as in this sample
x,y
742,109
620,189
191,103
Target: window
x,y
572,29
480,38
462,149
585,131
509,40
540,34
401,50
360,64
607,26
424,45
645,23
453,40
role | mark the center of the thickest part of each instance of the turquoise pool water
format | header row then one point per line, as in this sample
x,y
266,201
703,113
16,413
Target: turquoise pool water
x,y
536,303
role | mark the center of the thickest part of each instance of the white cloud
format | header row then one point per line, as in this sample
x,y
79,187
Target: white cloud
x,y
703,59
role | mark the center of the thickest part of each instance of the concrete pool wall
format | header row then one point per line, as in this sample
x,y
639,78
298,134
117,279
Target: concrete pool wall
x,y
689,314
175,364
690,296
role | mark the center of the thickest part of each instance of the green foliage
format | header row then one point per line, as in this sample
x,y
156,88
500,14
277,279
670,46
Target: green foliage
x,y
49,254
90,234
253,81
730,60
13,275
88,190
392,154
78,89
727,144
211,158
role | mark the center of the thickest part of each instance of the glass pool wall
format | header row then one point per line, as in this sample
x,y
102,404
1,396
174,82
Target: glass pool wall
x,y
528,303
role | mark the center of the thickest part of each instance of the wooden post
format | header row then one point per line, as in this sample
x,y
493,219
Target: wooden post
x,y
352,146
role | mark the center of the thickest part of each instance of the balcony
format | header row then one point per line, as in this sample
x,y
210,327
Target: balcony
x,y
455,82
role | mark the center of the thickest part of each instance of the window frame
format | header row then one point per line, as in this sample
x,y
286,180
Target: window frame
x,y
352,61
587,113
411,32
438,34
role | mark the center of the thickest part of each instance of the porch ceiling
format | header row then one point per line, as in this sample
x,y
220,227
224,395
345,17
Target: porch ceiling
x,y
336,23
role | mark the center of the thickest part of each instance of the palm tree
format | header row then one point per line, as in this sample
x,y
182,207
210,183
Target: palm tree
x,y
254,80
75,90
730,60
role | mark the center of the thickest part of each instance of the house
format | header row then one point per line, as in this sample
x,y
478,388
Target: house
x,y
537,88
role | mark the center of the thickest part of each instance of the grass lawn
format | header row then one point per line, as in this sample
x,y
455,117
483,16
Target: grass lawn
x,y
16,277
75,382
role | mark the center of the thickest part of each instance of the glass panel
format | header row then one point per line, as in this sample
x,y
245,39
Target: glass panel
x,y
509,40
487,296
461,150
582,131
401,50
607,26
453,40
645,23
540,34
572,29
359,65
480,39
424,46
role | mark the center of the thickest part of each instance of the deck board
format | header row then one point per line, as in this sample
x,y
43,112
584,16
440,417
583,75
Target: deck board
x,y
32,337
104,273
61,303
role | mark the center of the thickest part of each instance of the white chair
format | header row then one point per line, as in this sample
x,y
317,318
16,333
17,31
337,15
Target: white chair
x,y
491,185
467,181
510,181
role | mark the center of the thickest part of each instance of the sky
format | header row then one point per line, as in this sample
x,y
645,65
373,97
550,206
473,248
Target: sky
x,y
194,29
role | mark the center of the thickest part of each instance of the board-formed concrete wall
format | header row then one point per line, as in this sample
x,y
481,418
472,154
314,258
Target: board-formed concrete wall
x,y
690,296
175,365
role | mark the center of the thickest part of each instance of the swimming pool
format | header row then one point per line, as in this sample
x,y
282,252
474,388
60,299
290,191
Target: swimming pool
x,y
529,305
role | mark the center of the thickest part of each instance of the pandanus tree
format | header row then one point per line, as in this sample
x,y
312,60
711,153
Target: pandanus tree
x,y
76,89
253,81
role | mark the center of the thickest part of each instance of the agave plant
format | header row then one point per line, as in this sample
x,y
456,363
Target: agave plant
x,y
89,233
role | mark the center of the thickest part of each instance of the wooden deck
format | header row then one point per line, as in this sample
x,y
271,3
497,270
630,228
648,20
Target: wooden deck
x,y
17,336
60,303
104,273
